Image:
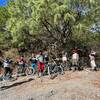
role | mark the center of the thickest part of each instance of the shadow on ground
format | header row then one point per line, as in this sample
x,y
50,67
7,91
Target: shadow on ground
x,y
15,84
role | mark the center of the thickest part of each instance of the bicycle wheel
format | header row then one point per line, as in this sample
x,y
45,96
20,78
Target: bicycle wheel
x,y
51,69
60,69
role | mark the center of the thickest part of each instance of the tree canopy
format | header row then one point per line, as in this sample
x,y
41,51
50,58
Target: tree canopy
x,y
61,23
4,35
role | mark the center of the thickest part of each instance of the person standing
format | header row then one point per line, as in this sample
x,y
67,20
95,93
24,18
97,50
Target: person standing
x,y
75,59
7,67
22,64
1,65
64,57
33,63
40,63
46,56
92,60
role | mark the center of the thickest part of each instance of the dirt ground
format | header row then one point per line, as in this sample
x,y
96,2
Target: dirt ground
x,y
83,85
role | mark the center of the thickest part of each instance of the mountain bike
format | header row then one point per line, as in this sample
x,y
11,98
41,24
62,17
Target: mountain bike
x,y
55,68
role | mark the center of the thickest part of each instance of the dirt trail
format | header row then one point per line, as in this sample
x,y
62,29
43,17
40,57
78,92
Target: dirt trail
x,y
84,85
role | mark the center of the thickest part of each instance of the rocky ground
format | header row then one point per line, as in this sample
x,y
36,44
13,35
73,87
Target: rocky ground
x,y
83,85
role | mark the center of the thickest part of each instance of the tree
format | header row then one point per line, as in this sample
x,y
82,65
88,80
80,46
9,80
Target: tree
x,y
58,22
4,35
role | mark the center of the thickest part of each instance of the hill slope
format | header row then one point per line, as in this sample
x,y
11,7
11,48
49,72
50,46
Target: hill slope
x,y
83,85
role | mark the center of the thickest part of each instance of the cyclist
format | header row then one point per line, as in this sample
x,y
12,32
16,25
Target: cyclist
x,y
22,63
7,67
75,59
33,63
64,57
40,63
64,60
1,65
92,60
45,54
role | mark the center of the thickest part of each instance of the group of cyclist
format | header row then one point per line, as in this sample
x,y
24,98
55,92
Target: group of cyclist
x,y
41,58
36,60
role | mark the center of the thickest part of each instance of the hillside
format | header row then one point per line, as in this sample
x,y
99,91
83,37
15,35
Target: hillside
x,y
83,85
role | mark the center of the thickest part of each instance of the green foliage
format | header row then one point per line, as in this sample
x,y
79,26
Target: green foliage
x,y
60,21
4,15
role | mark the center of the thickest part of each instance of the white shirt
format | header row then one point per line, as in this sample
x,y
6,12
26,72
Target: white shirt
x,y
75,56
91,57
64,58
6,64
39,58
93,64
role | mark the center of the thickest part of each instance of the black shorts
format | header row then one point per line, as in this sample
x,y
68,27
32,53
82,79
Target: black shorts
x,y
8,70
46,59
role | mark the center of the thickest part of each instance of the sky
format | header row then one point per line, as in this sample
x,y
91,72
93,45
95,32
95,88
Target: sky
x,y
3,2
